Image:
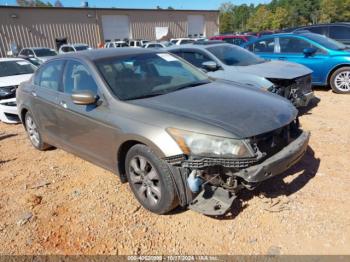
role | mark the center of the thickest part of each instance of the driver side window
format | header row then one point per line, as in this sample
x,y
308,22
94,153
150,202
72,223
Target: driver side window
x,y
77,78
293,45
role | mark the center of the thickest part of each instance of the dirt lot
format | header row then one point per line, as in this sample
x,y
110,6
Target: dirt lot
x,y
55,203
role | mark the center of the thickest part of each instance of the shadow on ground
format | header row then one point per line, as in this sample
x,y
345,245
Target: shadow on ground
x,y
5,136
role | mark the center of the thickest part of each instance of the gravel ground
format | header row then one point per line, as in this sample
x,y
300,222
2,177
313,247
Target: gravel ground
x,y
55,203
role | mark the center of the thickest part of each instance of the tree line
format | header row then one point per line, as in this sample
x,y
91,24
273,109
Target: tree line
x,y
280,14
38,3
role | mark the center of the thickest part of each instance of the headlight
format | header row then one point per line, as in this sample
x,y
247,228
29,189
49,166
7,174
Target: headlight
x,y
7,91
209,146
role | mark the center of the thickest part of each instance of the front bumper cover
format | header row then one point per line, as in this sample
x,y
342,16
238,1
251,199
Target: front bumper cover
x,y
8,111
277,163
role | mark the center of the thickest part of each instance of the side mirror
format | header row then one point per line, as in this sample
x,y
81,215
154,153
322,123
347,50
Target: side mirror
x,y
84,98
210,66
30,56
309,51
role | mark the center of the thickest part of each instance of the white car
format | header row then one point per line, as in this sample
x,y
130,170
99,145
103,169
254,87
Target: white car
x,y
13,71
42,54
73,48
163,44
137,43
116,44
182,41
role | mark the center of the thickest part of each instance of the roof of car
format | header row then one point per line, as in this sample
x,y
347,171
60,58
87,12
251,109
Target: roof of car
x,y
198,45
102,53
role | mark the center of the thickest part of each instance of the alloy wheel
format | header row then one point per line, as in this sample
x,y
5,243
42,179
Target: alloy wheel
x,y
342,81
145,180
32,131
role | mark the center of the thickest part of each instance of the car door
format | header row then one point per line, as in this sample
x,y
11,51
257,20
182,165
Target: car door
x,y
47,83
292,49
85,128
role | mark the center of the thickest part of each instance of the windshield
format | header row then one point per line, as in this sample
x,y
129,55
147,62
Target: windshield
x,y
11,68
326,42
234,55
146,75
81,47
45,52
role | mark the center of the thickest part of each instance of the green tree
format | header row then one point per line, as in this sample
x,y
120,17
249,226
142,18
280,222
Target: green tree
x,y
279,18
261,19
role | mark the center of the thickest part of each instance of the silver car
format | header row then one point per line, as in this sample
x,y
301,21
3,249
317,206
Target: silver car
x,y
233,63
175,135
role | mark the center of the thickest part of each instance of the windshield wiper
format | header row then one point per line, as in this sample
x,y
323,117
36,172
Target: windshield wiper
x,y
193,84
169,90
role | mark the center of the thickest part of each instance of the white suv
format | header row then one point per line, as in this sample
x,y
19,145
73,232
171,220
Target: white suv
x,y
73,48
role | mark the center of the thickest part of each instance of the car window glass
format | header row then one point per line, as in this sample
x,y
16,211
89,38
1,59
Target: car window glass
x,y
264,46
30,52
238,41
78,78
50,75
322,30
293,45
339,32
196,58
147,74
229,40
138,43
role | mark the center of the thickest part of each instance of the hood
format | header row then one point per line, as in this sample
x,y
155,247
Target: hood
x,y
14,80
240,110
276,69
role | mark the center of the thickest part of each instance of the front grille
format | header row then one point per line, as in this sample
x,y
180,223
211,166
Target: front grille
x,y
229,163
272,142
304,84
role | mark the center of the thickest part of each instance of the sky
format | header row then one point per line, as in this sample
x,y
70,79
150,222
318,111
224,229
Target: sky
x,y
177,4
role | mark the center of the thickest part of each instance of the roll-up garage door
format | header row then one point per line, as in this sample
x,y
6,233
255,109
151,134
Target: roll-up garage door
x,y
195,25
115,27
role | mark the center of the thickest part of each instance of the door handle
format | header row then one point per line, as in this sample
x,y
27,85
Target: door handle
x,y
63,104
34,93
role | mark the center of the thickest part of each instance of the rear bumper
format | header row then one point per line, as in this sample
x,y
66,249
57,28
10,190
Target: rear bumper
x,y
278,163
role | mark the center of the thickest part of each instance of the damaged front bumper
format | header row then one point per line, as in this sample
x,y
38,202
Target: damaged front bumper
x,y
277,163
216,200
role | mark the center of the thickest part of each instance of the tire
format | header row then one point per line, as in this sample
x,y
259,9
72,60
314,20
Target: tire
x,y
150,180
33,133
340,80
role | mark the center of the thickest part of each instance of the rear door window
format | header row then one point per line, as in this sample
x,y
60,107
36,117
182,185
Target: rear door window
x,y
77,77
49,77
263,46
293,45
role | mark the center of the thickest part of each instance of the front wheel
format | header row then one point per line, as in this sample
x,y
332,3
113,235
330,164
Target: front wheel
x,y
340,80
150,180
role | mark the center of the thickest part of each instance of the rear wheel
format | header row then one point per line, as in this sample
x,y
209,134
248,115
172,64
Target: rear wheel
x,y
34,133
340,80
150,180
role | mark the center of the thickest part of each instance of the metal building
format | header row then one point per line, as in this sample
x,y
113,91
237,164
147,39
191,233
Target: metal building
x,y
41,26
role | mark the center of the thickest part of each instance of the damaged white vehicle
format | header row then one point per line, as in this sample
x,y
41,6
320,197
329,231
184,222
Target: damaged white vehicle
x,y
13,71
233,63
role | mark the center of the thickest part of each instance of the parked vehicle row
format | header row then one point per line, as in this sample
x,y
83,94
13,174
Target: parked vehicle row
x,y
176,135
233,63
